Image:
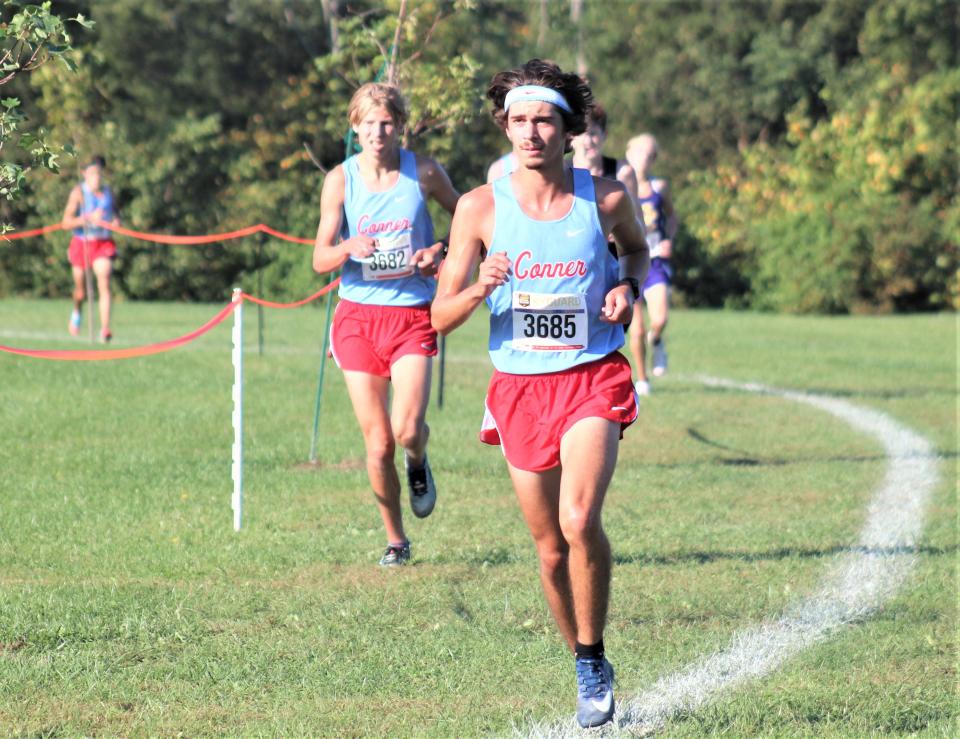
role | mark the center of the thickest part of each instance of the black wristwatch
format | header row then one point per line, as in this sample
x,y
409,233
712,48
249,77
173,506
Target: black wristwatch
x,y
634,286
445,249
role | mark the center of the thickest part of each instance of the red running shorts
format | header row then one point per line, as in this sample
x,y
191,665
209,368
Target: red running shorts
x,y
96,249
529,414
370,338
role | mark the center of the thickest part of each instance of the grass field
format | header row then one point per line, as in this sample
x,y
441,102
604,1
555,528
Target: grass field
x,y
129,606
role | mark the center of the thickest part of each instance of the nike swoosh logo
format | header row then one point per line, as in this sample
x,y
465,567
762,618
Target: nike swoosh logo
x,y
617,408
399,198
571,234
602,706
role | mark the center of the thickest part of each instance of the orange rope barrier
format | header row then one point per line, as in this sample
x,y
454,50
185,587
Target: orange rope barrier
x,y
286,237
165,239
297,304
141,351
168,238
34,232
136,351
94,355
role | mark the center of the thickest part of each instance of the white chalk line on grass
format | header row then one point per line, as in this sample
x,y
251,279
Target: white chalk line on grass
x,y
857,583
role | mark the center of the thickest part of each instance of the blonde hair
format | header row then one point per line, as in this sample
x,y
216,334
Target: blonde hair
x,y
375,95
643,138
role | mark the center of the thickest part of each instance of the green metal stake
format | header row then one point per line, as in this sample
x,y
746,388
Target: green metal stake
x,y
260,293
323,365
88,278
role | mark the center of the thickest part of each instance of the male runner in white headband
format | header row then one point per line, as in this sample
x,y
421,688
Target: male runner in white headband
x,y
561,394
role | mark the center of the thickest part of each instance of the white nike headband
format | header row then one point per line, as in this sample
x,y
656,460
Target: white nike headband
x,y
527,93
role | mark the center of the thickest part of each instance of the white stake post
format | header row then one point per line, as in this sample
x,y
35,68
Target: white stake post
x,y
237,471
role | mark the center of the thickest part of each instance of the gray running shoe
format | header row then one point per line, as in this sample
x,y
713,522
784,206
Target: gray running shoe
x,y
594,692
396,555
423,493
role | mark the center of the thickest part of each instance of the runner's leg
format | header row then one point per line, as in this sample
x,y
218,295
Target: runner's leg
x,y
411,395
79,291
103,268
657,299
588,455
539,497
637,337
368,394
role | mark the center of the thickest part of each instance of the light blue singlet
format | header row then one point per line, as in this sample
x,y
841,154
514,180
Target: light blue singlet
x,y
547,317
92,201
398,219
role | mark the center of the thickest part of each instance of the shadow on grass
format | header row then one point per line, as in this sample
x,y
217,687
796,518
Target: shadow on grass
x,y
747,459
319,465
840,392
883,393
683,558
492,557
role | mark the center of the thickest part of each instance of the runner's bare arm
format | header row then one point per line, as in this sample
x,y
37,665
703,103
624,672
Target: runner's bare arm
x,y
96,217
435,184
329,253
470,232
116,216
71,217
627,176
619,217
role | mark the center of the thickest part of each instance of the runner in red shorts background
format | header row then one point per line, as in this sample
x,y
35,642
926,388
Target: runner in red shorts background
x,y
91,204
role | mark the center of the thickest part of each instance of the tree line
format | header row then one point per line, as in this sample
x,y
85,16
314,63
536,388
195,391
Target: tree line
x,y
811,145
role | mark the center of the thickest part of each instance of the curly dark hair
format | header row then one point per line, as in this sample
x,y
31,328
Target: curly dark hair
x,y
598,117
546,74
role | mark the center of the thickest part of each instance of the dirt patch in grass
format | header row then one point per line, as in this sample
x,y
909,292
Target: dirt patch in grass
x,y
343,465
12,646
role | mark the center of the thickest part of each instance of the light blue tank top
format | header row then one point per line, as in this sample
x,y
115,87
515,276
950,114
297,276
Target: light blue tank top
x,y
547,317
398,219
92,201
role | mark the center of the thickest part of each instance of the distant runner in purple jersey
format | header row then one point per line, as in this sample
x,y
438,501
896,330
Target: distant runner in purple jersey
x,y
660,219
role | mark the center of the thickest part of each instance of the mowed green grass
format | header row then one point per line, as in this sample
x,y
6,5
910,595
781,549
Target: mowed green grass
x,y
128,605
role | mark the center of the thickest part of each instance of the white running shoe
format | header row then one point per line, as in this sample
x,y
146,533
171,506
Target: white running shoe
x,y
642,387
423,491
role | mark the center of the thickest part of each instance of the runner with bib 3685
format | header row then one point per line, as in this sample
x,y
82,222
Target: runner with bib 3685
x,y
561,394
